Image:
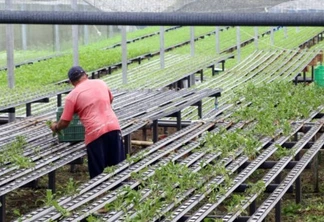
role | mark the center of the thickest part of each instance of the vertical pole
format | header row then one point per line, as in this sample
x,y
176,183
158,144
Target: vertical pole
x,y
192,40
199,109
75,37
256,37
10,57
85,31
28,109
217,40
178,120
111,31
238,43
278,205
57,33
297,29
271,37
286,32
3,208
162,47
298,183
155,131
127,143
51,181
24,32
252,207
124,54
315,173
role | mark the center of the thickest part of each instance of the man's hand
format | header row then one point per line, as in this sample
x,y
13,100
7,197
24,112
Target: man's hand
x,y
53,127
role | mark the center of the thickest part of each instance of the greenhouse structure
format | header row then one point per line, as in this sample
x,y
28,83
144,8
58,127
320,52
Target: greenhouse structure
x,y
220,105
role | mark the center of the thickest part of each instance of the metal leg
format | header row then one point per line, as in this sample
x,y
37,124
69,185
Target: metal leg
x,y
252,208
298,183
155,131
315,173
3,208
127,142
213,70
189,81
178,120
278,205
28,109
144,134
59,100
51,181
200,109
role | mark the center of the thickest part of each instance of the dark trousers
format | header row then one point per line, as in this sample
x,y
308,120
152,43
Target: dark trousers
x,y
107,150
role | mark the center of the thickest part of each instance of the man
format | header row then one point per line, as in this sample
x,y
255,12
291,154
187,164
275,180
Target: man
x,y
91,100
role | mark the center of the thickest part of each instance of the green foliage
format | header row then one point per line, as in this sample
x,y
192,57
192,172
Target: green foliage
x,y
49,123
14,153
282,152
52,202
255,188
277,104
71,187
292,209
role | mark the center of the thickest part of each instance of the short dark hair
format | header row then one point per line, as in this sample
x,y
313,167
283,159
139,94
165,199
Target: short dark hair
x,y
75,73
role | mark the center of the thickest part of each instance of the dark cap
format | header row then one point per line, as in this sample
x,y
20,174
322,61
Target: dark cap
x,y
75,73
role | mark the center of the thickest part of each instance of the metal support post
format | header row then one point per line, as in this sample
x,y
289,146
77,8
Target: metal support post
x,y
252,207
75,36
199,104
124,54
315,173
155,131
51,181
278,205
127,142
3,208
213,70
178,114
298,183
28,109
144,135
189,82
162,48
216,103
59,100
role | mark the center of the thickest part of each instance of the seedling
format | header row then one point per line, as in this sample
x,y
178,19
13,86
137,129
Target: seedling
x,y
49,123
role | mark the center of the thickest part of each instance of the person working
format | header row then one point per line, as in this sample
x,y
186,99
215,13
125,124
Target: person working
x,y
91,100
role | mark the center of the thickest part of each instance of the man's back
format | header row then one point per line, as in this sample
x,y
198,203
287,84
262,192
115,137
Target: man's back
x,y
92,102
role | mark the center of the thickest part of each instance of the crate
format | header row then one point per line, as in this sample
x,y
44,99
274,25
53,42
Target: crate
x,y
319,76
74,132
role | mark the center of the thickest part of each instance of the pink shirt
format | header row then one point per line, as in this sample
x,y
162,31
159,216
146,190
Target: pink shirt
x,y
91,100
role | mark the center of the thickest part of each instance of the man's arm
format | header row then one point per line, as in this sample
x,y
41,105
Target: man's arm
x,y
66,117
61,124
110,96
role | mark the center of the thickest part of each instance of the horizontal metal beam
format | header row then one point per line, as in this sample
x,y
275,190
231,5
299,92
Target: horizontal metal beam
x,y
269,189
162,18
271,164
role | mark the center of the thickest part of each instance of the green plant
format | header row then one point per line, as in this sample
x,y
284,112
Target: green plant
x,y
14,153
49,123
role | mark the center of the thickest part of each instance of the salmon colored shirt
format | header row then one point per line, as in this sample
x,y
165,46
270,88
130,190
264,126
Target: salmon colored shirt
x,y
91,100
